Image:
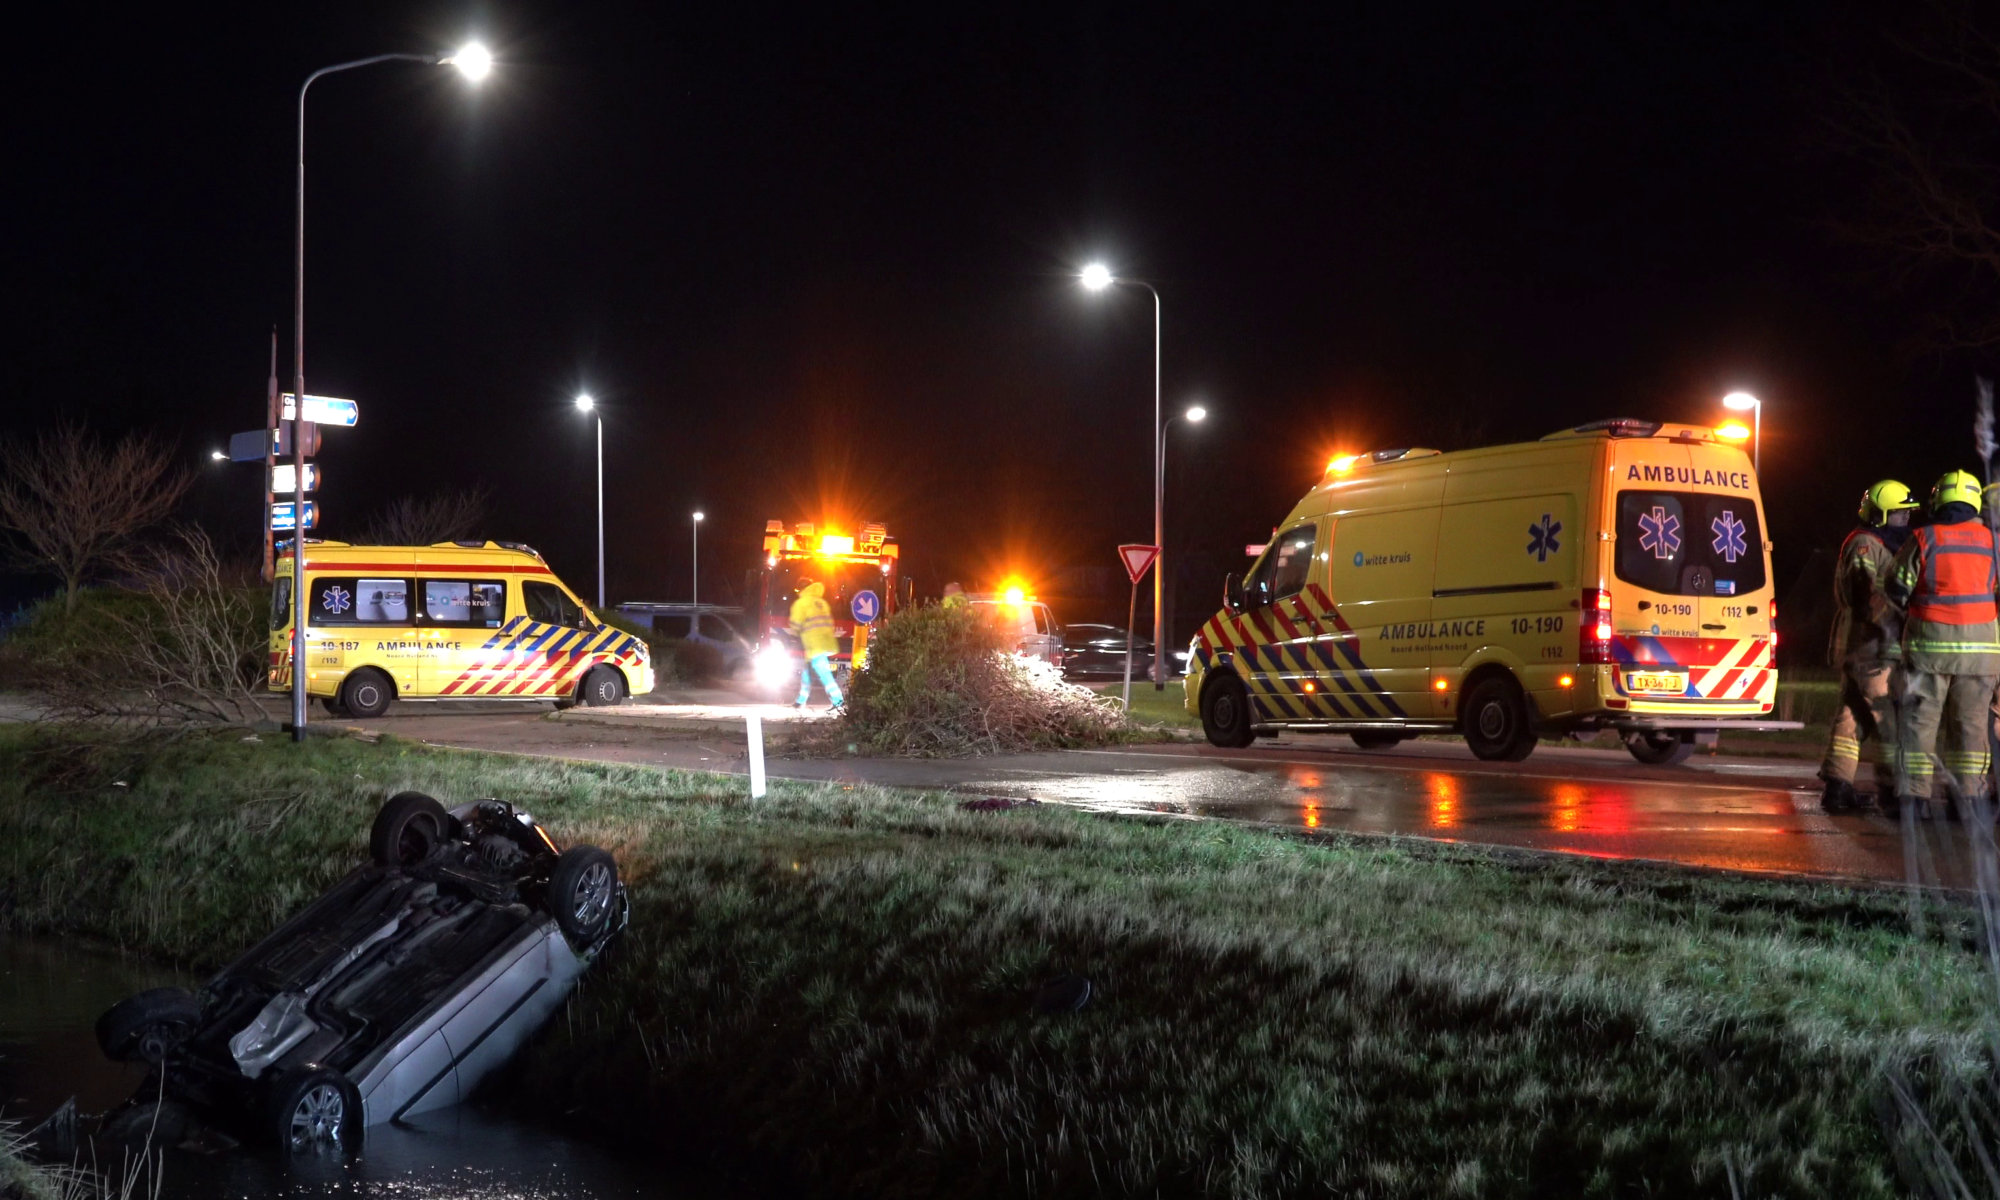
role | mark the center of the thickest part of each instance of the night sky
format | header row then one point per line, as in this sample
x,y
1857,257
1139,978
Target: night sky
x,y
816,261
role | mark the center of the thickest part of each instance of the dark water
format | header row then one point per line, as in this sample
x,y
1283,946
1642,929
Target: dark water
x,y
51,993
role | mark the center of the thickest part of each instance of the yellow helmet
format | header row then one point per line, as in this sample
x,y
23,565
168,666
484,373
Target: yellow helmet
x,y
1883,498
1956,487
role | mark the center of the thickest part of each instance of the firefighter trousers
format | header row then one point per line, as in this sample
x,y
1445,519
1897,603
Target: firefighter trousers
x,y
1864,727
1927,698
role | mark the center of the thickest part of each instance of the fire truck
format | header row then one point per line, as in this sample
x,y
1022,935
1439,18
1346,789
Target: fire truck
x,y
863,585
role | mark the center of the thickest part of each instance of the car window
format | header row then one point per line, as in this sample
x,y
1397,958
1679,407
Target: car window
x,y
1283,570
549,604
471,603
1690,543
357,600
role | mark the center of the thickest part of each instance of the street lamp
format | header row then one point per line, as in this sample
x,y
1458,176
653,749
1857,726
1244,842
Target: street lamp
x,y
1740,401
1195,415
585,404
695,588
474,62
217,456
1096,277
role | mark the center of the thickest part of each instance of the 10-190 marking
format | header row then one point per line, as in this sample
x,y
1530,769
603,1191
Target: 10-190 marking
x,y
1552,624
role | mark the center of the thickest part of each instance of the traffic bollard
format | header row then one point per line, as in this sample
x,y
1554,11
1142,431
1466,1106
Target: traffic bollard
x,y
754,727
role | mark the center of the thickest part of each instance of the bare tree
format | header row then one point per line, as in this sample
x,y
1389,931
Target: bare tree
x,y
191,650
1922,122
75,507
422,521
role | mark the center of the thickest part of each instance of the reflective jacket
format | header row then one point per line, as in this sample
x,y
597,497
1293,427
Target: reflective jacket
x,y
1865,626
1945,577
812,621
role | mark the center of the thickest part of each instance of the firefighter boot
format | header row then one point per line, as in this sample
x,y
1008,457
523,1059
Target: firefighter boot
x,y
1838,797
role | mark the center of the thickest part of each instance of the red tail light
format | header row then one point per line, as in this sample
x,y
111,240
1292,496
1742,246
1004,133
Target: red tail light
x,y
1594,640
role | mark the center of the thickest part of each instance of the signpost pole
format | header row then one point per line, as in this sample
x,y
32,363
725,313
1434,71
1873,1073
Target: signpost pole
x,y
1131,615
270,454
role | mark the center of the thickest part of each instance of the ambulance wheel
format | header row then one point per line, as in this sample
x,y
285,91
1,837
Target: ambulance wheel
x,y
1225,712
1657,748
1496,720
367,693
601,688
332,706
1375,739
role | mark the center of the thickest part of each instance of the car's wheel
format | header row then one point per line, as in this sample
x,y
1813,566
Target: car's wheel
x,y
601,688
1496,720
367,693
1225,711
583,892
333,706
314,1110
146,1027
1375,739
1657,748
408,830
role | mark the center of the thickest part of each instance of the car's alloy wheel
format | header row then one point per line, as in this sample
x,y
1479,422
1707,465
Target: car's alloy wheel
x,y
583,890
319,1118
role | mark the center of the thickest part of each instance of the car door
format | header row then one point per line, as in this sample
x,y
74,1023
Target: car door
x,y
554,641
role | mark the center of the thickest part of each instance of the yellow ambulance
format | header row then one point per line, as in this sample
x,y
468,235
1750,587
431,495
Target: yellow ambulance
x,y
458,620
1610,576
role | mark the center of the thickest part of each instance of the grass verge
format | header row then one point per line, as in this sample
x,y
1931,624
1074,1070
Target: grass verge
x,y
838,979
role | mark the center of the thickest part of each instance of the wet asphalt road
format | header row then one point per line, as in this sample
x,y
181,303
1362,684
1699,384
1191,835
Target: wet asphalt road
x,y
1743,814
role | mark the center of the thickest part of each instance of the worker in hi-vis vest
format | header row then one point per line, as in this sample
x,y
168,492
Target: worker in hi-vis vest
x,y
1866,642
812,623
1944,578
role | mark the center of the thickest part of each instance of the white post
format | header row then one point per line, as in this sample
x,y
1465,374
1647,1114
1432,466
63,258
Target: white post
x,y
754,728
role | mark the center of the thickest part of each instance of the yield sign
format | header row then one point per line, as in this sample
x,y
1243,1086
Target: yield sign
x,y
1137,559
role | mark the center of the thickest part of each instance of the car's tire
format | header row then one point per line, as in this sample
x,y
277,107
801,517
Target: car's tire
x,y
313,1110
1375,739
601,688
408,830
1496,720
583,892
1657,748
367,693
1226,716
146,1027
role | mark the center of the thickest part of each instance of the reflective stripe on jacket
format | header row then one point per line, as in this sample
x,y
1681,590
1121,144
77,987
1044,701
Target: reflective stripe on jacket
x,y
1864,625
1955,575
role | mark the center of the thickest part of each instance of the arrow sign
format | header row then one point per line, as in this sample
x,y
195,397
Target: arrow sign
x,y
865,606
281,515
281,478
1137,559
325,410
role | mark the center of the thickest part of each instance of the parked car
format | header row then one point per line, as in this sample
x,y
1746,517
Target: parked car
x,y
716,626
392,994
1097,651
1030,623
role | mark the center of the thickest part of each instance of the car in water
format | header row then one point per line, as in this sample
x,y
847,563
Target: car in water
x,y
392,994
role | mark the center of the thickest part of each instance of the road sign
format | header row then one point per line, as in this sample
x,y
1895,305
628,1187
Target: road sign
x,y
281,515
284,439
866,606
324,410
1137,559
281,478
249,446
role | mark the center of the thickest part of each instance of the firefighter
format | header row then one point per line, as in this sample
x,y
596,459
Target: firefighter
x,y
812,624
1944,578
1865,646
954,596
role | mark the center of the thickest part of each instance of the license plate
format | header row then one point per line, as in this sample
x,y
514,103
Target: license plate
x,y
1671,682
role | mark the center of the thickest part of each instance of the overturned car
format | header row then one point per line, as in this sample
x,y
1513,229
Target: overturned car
x,y
392,994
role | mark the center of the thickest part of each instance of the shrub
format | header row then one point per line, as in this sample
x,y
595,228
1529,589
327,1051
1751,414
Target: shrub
x,y
940,681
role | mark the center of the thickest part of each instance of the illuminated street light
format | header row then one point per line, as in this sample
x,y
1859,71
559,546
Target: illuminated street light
x,y
217,456
1162,663
1096,277
694,622
1742,401
1197,415
474,63
585,404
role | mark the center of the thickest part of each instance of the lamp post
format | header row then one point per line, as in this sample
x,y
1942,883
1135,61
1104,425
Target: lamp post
x,y
474,62
585,404
1195,415
1744,400
1096,277
695,587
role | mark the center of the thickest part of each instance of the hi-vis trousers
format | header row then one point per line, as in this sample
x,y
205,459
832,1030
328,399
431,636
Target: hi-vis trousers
x,y
1926,697
1864,726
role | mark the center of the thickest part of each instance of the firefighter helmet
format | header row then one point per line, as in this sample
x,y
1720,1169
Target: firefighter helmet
x,y
1955,487
1883,498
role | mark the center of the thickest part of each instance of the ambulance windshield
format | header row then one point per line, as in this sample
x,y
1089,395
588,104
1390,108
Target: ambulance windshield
x,y
1690,543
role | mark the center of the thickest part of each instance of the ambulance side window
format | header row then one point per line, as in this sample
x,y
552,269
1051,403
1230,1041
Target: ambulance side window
x,y
474,603
352,600
545,602
1283,570
281,602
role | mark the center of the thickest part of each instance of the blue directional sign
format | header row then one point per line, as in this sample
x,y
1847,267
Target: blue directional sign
x,y
866,606
325,410
281,515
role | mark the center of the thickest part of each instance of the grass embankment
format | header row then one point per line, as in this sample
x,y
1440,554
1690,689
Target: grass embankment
x,y
839,980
